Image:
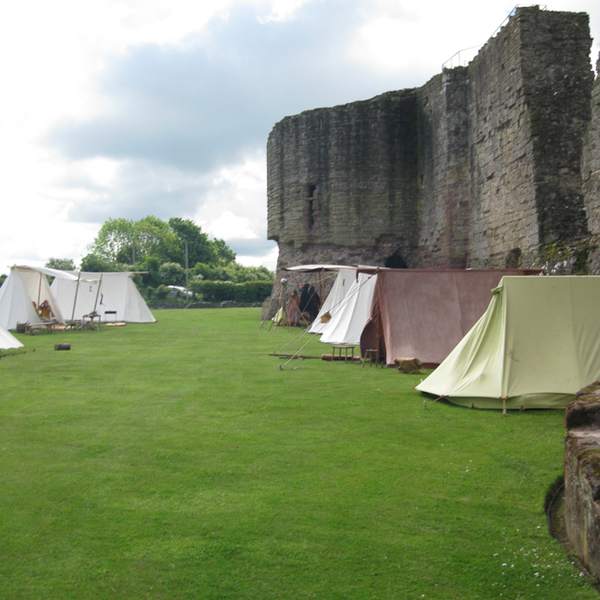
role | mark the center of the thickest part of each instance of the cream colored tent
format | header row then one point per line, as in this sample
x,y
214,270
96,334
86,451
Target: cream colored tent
x,y
111,295
345,278
24,289
537,344
8,340
349,321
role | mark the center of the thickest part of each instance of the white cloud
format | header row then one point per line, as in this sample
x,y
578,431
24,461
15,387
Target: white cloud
x,y
229,226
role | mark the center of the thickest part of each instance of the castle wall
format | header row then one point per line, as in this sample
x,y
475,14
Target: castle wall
x,y
346,177
582,476
503,210
590,173
443,178
480,167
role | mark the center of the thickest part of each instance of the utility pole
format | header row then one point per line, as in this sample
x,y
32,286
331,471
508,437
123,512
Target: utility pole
x,y
187,296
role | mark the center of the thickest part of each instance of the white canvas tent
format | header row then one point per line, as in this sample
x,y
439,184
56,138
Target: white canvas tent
x,y
345,278
111,295
7,340
348,323
537,344
25,287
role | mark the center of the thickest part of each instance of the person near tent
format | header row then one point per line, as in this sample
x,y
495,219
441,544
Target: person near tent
x,y
314,304
293,309
44,310
304,298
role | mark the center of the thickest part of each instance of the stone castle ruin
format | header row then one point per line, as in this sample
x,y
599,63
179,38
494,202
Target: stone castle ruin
x,y
496,164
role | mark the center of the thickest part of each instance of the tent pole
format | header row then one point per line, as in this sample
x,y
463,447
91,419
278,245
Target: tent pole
x,y
322,286
75,297
98,292
39,288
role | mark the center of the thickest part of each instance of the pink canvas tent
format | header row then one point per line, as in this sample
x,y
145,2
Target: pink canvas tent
x,y
425,313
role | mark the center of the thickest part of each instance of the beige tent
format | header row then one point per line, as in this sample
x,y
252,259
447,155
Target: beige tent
x,y
24,289
537,344
8,340
111,295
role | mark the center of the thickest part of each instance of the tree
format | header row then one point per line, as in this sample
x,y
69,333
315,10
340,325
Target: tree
x,y
200,249
62,264
122,240
154,237
152,243
172,274
115,237
223,251
151,264
96,264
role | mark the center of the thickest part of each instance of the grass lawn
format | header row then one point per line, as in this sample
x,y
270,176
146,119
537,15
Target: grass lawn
x,y
178,461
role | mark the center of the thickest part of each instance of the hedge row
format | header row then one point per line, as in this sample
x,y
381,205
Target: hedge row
x,y
220,291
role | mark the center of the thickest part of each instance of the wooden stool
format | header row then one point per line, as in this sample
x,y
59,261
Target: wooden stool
x,y
371,354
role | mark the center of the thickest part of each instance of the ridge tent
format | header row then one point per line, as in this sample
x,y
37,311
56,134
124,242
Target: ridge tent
x,y
347,324
24,287
113,293
8,340
344,280
423,314
537,344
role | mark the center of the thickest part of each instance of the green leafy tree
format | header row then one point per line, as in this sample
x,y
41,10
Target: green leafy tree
x,y
151,264
161,292
172,274
120,241
115,238
223,251
62,264
154,237
200,248
94,263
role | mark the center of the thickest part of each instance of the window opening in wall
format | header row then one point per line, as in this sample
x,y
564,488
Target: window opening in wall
x,y
308,191
310,217
310,206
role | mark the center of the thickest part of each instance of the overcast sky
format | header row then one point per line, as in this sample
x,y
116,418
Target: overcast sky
x,y
128,108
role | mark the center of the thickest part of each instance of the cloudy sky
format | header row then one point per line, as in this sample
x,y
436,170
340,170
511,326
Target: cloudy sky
x,y
128,108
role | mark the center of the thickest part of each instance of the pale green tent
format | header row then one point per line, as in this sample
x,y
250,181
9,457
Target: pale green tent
x,y
537,344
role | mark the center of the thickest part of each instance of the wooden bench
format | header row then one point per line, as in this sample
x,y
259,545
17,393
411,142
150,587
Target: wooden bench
x,y
31,328
345,348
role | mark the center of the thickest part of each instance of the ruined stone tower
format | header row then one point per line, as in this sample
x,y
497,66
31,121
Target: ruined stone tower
x,y
480,167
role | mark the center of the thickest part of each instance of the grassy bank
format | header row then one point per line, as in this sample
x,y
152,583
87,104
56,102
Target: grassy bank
x,y
177,460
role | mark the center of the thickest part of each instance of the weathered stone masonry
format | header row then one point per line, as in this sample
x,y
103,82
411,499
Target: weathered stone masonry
x,y
480,167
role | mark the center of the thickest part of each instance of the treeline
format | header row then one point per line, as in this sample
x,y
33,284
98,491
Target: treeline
x,y
158,249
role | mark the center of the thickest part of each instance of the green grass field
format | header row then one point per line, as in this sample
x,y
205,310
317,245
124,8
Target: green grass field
x,y
178,461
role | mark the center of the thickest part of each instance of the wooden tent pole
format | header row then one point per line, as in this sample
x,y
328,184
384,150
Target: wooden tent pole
x,y
39,289
75,297
98,292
